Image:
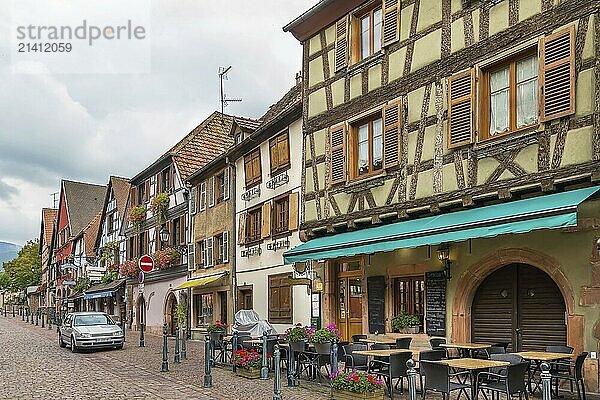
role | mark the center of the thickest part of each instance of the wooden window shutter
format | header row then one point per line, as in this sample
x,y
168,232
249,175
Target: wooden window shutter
x,y
158,183
226,184
171,178
341,44
182,225
133,196
392,131
337,151
294,211
225,247
273,155
211,191
242,228
391,22
461,104
191,260
193,196
557,74
266,220
147,190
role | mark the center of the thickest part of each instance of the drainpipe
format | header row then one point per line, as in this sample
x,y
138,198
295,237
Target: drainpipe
x,y
234,234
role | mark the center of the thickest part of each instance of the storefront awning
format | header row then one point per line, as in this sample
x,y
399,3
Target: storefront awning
x,y
201,281
557,210
103,289
98,295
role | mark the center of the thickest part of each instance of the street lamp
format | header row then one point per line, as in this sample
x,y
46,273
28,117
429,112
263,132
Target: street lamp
x,y
164,235
443,253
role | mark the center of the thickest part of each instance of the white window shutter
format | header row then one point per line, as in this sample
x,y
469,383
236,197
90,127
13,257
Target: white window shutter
x,y
211,191
193,196
210,251
202,196
226,184
225,247
190,257
205,253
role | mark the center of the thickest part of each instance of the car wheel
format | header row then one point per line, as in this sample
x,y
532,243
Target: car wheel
x,y
119,347
74,348
60,341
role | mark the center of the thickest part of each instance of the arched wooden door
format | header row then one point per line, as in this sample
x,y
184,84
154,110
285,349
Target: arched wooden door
x,y
171,314
521,305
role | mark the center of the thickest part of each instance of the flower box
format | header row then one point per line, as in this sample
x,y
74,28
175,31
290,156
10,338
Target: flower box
x,y
250,373
339,394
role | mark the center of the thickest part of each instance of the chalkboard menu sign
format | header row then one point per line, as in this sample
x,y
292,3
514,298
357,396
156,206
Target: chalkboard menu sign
x,y
376,296
435,303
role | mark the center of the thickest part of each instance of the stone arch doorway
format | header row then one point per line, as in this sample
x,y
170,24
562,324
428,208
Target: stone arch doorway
x,y
470,280
171,313
520,305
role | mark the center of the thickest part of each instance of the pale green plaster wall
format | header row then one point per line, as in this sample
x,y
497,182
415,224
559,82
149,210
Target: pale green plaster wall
x,y
584,95
317,102
449,178
425,184
330,35
310,210
314,44
309,185
527,158
529,8
455,5
337,91
397,60
499,17
374,77
588,48
380,193
457,38
578,146
485,167
427,50
355,86
315,71
320,138
430,12
405,21
342,200
321,176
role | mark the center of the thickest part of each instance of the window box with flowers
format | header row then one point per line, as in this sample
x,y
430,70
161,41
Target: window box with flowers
x,y
166,258
297,336
129,269
248,363
356,385
160,205
137,216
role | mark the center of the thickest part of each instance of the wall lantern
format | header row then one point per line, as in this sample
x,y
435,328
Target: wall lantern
x,y
164,234
443,253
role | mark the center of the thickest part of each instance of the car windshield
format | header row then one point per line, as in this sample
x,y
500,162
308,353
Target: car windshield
x,y
89,320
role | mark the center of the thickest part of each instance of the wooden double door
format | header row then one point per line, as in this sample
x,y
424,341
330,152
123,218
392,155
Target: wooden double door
x,y
349,305
521,305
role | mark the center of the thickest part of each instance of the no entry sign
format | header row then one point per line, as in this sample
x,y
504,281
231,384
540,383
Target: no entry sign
x,y
146,263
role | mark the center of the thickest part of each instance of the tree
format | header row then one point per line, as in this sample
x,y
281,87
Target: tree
x,y
25,269
4,281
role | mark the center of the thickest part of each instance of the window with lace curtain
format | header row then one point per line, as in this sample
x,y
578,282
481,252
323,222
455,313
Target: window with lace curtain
x,y
510,95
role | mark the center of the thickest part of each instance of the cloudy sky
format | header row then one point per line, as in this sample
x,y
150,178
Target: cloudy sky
x,y
89,126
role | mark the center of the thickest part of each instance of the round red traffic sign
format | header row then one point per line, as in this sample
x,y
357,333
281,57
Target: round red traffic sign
x,y
146,263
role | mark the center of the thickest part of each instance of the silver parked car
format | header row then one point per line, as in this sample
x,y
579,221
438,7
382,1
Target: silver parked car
x,y
82,330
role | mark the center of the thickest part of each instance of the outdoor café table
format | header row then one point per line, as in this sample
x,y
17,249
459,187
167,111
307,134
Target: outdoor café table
x,y
538,357
380,340
468,347
473,365
384,353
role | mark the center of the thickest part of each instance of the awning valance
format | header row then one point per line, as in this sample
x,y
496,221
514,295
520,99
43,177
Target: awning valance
x,y
544,212
201,281
98,295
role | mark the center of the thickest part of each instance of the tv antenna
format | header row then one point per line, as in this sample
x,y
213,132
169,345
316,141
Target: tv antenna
x,y
224,100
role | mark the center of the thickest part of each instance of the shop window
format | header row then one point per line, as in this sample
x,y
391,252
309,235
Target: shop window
x,y
367,147
252,168
279,151
409,295
510,95
280,299
245,299
203,306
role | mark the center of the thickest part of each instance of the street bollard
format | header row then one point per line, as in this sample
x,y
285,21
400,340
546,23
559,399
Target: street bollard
x,y
22,314
291,370
42,320
165,360
334,357
207,372
177,356
184,345
49,322
412,379
234,345
546,381
13,310
27,316
277,378
142,341
31,318
37,319
123,329
264,371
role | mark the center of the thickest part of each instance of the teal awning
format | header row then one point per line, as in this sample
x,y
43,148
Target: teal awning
x,y
544,212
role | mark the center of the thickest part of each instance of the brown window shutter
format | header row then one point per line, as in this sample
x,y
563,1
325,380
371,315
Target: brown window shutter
x,y
391,21
242,228
266,220
341,44
284,149
159,182
136,246
171,178
461,104
132,196
392,130
182,224
147,190
337,151
557,74
293,219
274,155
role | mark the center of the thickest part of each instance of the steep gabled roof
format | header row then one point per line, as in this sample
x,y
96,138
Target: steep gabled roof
x,y
287,102
120,187
48,217
247,124
84,202
91,233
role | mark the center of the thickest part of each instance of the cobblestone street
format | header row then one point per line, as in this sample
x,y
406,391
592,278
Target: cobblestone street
x,y
33,366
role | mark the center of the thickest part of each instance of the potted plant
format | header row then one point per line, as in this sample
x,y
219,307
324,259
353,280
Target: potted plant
x,y
356,385
137,215
166,258
406,323
218,326
322,338
248,363
160,205
129,269
297,336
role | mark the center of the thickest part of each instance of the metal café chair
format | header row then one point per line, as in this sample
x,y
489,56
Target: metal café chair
x,y
403,343
511,382
429,355
355,361
395,368
576,377
561,366
378,346
439,379
218,346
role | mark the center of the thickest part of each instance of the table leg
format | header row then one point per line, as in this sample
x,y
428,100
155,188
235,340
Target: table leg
x,y
473,385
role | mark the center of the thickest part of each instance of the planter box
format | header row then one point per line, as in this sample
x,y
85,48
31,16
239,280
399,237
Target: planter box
x,y
250,373
347,395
